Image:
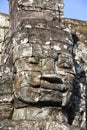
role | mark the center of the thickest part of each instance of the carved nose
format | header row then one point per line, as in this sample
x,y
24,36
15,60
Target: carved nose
x,y
52,78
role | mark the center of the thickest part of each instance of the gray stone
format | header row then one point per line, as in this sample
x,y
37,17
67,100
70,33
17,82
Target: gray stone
x,y
42,68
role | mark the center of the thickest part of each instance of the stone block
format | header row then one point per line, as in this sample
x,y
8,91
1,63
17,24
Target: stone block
x,y
47,95
28,64
20,51
36,113
28,94
57,33
65,61
35,125
47,5
47,66
6,87
53,84
35,95
37,50
20,37
5,111
47,15
26,79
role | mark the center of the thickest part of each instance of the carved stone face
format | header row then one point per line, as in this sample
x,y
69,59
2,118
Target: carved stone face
x,y
43,67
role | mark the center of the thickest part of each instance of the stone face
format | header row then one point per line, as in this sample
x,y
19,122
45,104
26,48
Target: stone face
x,y
42,79
43,69
38,73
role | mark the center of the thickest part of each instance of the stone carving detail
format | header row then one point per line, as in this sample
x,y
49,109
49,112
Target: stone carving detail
x,y
44,77
5,70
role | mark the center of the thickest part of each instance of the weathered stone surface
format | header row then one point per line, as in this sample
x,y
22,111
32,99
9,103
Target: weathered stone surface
x,y
50,5
37,125
28,64
78,30
6,110
4,25
43,69
30,113
36,10
5,71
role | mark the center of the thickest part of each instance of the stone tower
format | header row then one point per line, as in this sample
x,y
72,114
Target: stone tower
x,y
31,10
39,67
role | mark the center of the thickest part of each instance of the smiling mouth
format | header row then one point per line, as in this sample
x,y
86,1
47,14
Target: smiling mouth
x,y
49,82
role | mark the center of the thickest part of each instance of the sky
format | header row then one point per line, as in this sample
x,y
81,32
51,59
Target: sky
x,y
76,9
4,8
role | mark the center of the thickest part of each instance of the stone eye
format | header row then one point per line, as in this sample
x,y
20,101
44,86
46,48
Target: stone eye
x,y
65,65
65,62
